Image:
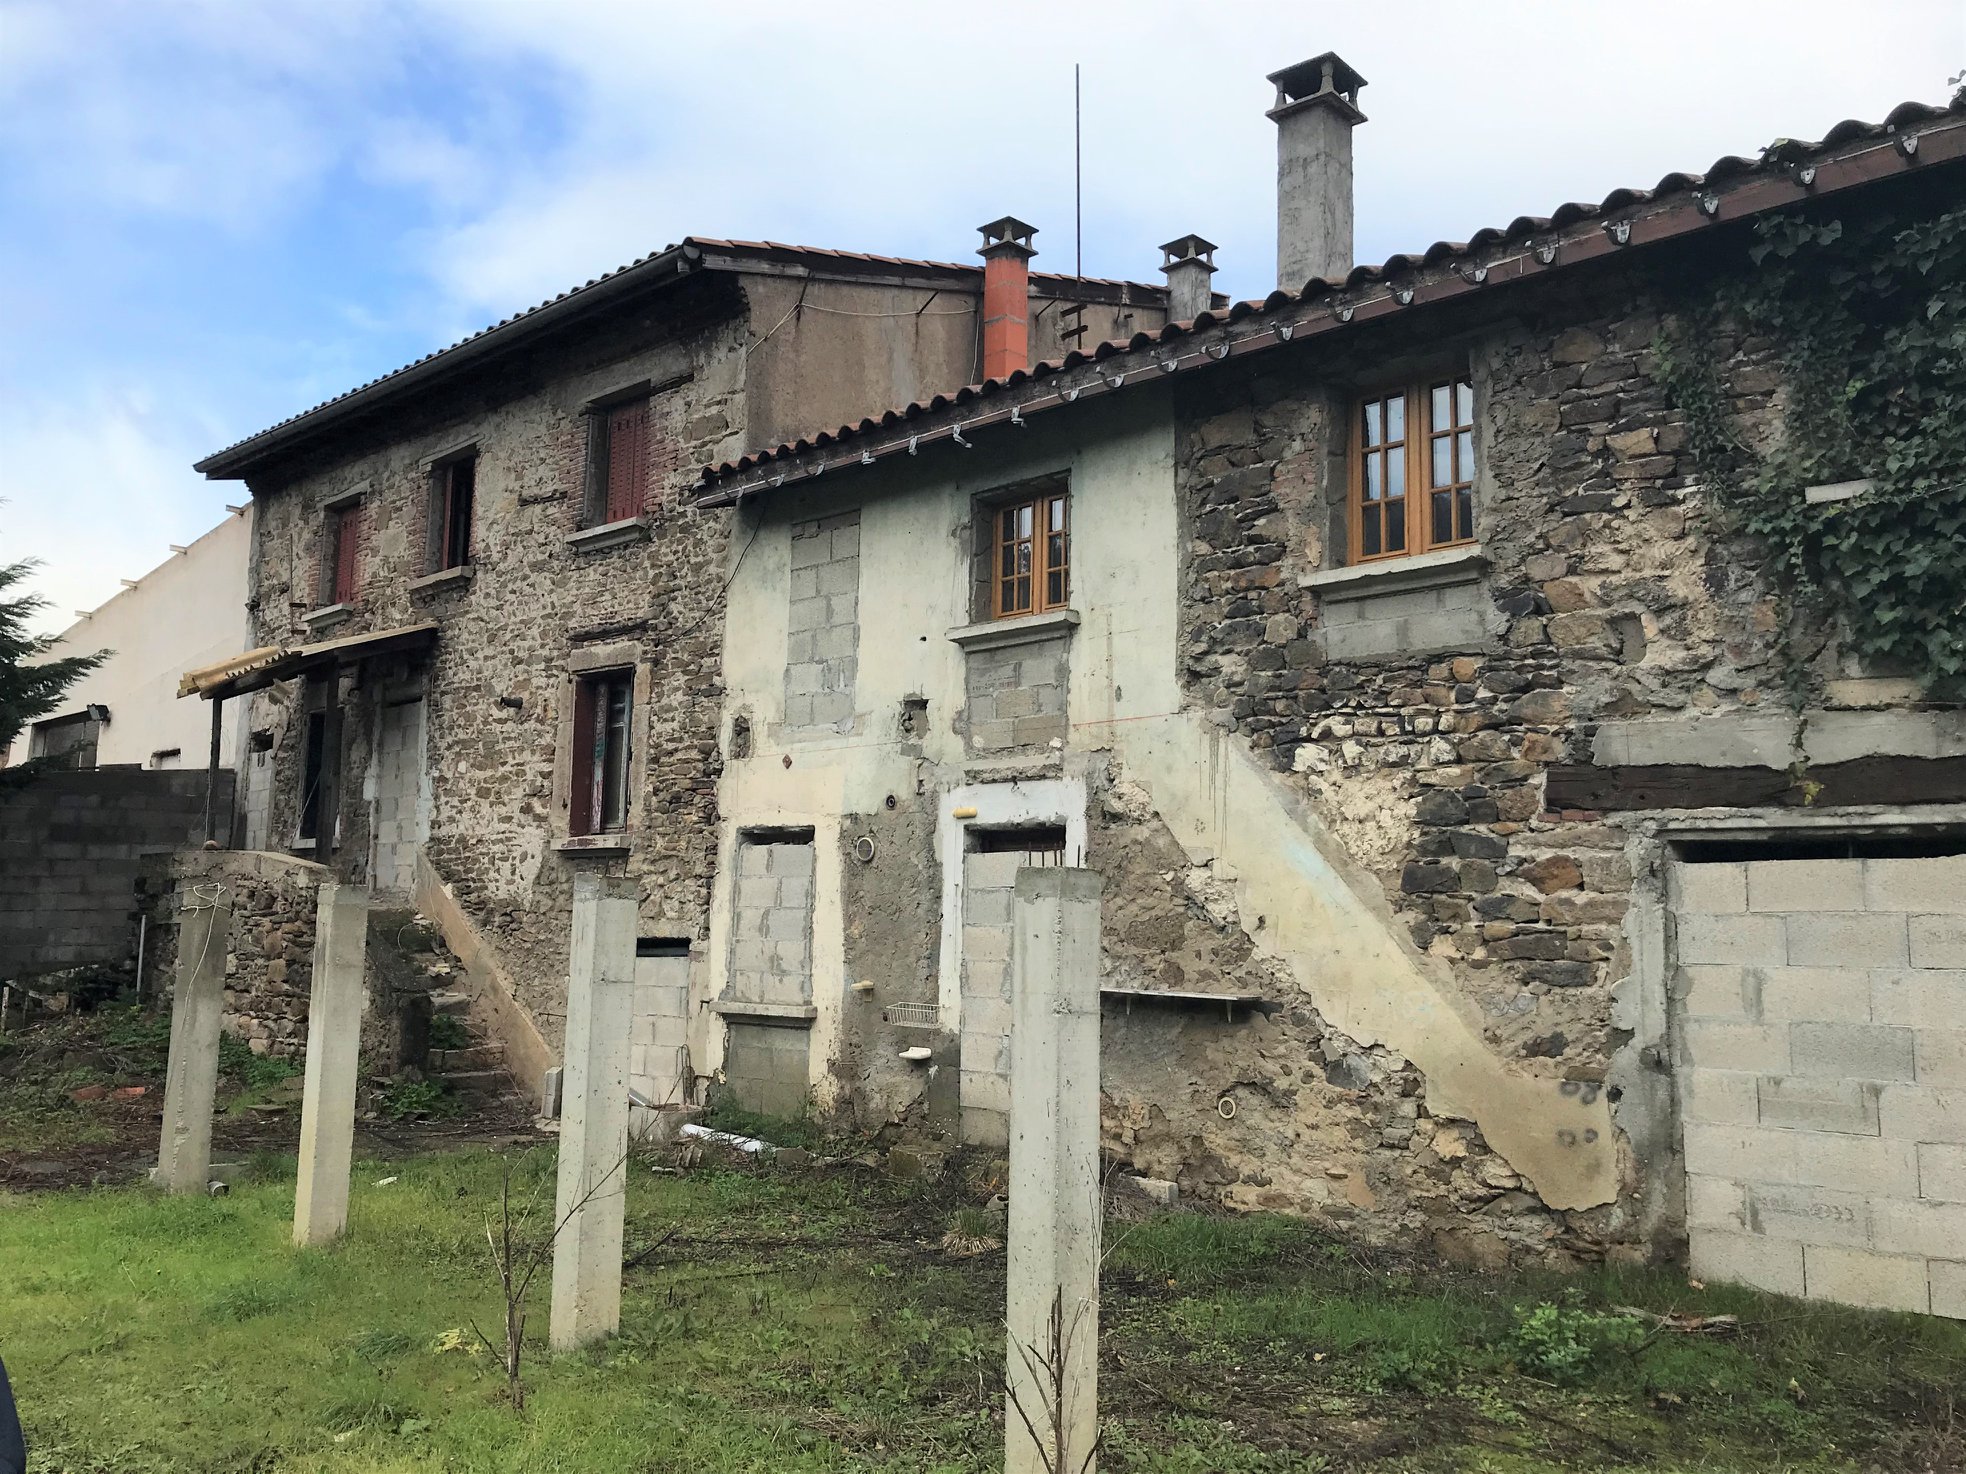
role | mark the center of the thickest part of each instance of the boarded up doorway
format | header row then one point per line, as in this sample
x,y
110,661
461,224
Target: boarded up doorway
x,y
990,865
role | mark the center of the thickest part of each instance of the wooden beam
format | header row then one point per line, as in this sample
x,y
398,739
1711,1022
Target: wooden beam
x,y
1866,780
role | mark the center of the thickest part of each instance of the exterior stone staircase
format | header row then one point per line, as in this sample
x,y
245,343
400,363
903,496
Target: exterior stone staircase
x,y
414,980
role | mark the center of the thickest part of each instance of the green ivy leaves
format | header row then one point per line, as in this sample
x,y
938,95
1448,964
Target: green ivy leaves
x,y
1870,323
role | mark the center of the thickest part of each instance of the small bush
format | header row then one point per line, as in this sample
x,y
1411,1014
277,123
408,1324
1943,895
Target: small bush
x,y
407,1100
237,1061
447,1032
1565,1346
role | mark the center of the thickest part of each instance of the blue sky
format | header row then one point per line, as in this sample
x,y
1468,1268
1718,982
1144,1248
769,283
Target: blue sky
x,y
215,213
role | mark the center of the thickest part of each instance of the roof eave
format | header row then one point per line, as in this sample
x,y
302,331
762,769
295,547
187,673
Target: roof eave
x,y
1367,295
239,460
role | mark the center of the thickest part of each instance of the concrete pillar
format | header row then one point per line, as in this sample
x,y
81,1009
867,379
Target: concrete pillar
x,y
334,1043
588,1207
184,1153
1051,1414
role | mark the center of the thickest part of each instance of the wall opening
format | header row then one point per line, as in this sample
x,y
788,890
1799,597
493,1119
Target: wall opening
x,y
1821,847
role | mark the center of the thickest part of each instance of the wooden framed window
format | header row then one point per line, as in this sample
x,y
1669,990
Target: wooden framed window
x,y
602,704
453,497
1412,469
617,461
1031,549
341,536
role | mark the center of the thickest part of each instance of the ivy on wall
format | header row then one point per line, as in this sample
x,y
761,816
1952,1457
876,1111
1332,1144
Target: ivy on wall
x,y
1870,322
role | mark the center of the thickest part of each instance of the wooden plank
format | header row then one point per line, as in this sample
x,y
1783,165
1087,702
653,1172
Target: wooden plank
x,y
1868,780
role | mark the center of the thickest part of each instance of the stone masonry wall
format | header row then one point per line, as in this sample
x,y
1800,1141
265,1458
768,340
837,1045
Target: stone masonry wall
x,y
496,680
1610,597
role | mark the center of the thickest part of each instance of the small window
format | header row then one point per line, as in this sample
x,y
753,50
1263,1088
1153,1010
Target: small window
x,y
341,536
617,462
1413,469
599,798
453,493
68,743
1031,555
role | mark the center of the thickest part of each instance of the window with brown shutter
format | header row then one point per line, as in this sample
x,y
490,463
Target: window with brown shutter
x,y
598,790
341,536
623,456
1412,469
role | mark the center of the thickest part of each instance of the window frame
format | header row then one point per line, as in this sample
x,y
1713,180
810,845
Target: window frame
x,y
446,552
1039,498
598,499
598,697
1416,451
341,529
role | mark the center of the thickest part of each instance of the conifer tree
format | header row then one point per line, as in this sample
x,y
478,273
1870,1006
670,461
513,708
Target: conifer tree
x,y
30,688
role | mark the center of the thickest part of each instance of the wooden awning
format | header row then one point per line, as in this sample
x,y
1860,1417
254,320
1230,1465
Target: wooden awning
x,y
257,669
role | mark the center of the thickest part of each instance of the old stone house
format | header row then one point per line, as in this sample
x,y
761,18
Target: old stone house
x,y
487,625
1469,874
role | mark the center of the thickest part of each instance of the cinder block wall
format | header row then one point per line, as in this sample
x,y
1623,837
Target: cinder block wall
x,y
70,850
1823,1077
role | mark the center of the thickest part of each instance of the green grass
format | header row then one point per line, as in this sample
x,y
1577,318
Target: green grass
x,y
809,1322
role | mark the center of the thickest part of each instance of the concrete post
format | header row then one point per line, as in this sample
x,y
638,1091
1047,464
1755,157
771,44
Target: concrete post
x,y
588,1207
184,1153
334,1041
1051,1414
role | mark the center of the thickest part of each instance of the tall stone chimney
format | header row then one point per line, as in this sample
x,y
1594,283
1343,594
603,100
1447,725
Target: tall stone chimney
x,y
1006,253
1315,112
1189,262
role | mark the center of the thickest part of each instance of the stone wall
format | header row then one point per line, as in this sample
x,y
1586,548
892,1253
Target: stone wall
x,y
71,849
269,963
496,684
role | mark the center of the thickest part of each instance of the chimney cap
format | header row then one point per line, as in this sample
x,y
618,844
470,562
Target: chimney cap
x,y
1186,248
1326,79
1007,235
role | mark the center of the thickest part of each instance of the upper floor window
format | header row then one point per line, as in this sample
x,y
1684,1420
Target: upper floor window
x,y
1031,554
602,703
341,537
617,461
1413,469
453,495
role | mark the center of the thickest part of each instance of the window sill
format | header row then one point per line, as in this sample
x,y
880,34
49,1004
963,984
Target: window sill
x,y
444,578
1443,569
609,535
1020,630
596,844
326,617
792,1015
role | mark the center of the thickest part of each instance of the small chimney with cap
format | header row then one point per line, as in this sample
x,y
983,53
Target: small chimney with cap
x,y
1006,253
1315,112
1189,262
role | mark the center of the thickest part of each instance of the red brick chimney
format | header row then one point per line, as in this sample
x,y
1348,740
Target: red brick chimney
x,y
1006,253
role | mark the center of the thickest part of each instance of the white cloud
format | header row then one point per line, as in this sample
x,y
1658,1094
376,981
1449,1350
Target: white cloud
x,y
97,488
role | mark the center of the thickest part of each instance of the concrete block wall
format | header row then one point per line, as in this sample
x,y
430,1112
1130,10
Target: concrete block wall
x,y
772,938
1015,695
1821,1010
658,1061
71,848
823,649
984,1088
1451,616
765,1068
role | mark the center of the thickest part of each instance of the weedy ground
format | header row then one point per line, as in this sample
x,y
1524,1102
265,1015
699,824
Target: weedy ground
x,y
819,1320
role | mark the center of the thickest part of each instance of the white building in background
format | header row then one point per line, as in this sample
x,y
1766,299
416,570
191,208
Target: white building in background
x,y
187,612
